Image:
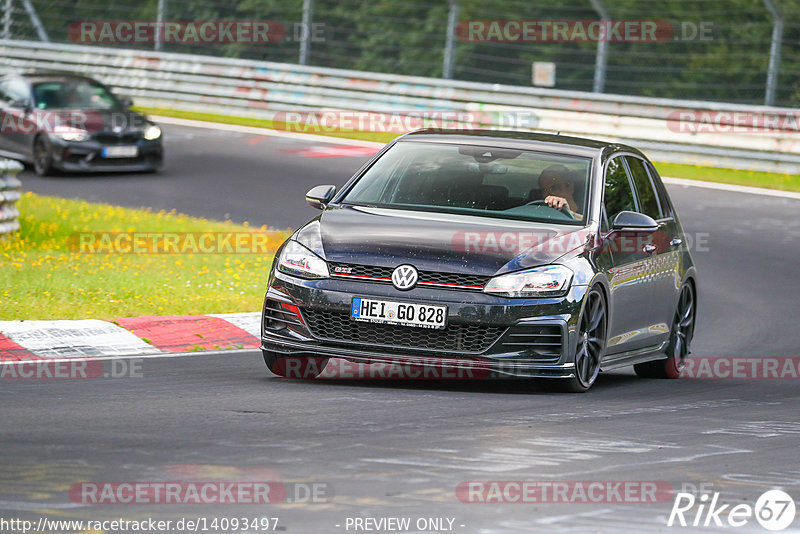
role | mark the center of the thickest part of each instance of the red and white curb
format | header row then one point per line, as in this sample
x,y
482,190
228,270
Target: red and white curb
x,y
131,336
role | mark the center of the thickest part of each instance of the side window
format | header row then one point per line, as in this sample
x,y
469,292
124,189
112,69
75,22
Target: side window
x,y
663,198
618,195
648,202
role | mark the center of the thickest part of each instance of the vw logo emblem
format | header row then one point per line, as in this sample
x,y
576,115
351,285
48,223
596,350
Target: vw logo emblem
x,y
404,277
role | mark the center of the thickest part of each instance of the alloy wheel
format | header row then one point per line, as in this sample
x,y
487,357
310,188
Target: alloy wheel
x,y
591,340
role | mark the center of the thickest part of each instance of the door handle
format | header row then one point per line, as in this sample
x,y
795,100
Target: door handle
x,y
676,242
649,248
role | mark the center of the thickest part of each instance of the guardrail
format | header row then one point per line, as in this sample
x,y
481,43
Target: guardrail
x,y
668,130
10,192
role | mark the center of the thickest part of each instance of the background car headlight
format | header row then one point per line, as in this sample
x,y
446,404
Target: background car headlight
x,y
152,132
73,135
547,281
299,261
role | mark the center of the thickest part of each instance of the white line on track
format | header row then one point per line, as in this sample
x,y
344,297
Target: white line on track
x,y
311,138
732,188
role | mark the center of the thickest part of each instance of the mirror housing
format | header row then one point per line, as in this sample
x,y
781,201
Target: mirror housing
x,y
20,103
631,221
318,197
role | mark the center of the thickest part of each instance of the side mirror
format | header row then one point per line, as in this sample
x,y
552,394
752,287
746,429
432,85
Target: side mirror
x,y
631,221
126,101
20,103
318,197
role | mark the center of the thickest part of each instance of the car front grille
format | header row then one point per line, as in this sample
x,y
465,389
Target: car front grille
x,y
543,341
338,327
126,138
426,278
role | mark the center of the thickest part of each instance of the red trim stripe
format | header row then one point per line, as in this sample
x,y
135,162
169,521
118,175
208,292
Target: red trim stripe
x,y
449,285
440,284
362,276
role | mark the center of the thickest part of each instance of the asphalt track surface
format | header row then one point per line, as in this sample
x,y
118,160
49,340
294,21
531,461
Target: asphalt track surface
x,y
395,448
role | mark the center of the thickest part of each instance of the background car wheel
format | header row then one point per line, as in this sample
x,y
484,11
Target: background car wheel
x,y
680,339
294,366
42,157
590,349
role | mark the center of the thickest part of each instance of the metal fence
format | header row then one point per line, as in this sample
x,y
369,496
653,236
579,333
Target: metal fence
x,y
744,51
268,90
9,194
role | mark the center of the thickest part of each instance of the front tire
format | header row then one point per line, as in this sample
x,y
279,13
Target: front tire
x,y
302,367
590,349
680,339
42,157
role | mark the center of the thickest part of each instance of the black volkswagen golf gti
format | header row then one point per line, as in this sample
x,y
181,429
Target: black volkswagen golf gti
x,y
517,254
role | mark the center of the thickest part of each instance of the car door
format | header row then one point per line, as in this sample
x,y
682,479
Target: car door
x,y
662,243
17,127
672,246
631,292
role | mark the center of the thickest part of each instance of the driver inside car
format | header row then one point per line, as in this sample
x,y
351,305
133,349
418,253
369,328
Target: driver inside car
x,y
557,188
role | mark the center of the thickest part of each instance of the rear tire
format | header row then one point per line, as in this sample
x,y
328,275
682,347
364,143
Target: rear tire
x,y
680,339
302,367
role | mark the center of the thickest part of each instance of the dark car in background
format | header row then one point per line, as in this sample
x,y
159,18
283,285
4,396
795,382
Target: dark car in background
x,y
67,122
521,254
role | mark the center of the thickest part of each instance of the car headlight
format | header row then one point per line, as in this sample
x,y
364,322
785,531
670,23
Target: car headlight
x,y
152,132
547,281
297,260
73,135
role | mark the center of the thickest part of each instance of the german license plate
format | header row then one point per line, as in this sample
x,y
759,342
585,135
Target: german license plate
x,y
123,151
399,313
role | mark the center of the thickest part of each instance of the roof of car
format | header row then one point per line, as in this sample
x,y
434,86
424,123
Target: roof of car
x,y
519,139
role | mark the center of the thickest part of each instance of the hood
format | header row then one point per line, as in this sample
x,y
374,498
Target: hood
x,y
116,121
439,242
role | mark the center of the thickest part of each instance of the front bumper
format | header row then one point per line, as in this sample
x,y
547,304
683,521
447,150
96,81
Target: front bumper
x,y
511,322
87,156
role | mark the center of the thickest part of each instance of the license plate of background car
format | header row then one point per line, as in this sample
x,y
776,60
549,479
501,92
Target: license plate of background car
x,y
120,151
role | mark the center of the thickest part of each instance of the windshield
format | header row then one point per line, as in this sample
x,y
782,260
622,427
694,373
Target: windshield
x,y
475,180
73,94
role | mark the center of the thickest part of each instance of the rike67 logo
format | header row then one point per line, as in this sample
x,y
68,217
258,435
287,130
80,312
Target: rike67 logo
x,y
774,510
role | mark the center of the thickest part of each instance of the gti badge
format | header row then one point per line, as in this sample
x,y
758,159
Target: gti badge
x,y
404,277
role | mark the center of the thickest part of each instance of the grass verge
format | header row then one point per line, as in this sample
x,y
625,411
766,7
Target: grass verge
x,y
769,180
784,182
47,272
